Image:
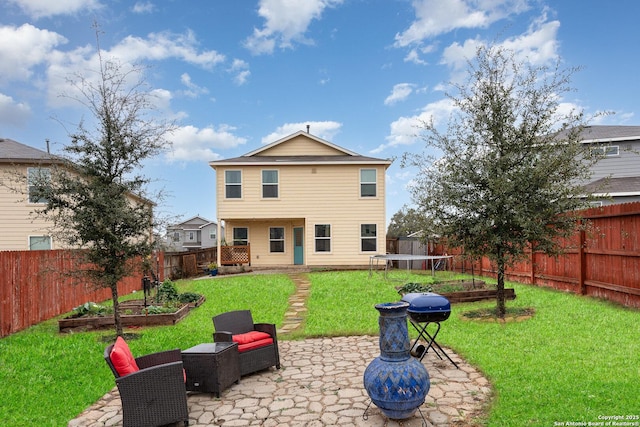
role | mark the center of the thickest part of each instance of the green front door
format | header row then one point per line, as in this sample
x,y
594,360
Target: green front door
x,y
298,246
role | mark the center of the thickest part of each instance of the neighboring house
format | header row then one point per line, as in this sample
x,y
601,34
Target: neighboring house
x,y
616,177
194,233
303,201
18,229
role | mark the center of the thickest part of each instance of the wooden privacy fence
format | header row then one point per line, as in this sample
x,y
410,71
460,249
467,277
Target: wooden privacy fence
x,y
191,263
603,261
34,288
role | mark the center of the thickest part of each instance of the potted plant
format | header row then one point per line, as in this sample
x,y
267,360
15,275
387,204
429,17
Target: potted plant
x,y
213,268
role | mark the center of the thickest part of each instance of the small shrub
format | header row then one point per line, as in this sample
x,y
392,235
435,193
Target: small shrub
x,y
188,297
90,309
167,292
156,309
415,287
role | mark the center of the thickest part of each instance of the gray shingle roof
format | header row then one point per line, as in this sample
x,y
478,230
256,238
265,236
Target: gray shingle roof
x,y
14,152
615,185
610,132
300,160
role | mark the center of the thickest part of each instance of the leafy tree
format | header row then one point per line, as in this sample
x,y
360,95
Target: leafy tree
x,y
97,201
404,222
505,176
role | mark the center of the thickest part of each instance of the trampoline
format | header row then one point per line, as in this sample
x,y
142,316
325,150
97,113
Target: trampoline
x,y
375,260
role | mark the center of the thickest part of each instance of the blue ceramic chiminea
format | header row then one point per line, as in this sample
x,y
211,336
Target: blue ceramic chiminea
x,y
396,382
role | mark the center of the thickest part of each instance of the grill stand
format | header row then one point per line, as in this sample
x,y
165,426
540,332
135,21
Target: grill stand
x,y
430,340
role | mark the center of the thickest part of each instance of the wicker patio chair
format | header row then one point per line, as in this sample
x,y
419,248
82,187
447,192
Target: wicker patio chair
x,y
256,350
154,394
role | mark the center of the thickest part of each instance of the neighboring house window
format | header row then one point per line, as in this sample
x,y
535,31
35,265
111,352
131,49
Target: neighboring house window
x,y
276,239
606,150
176,236
367,183
323,238
37,176
368,237
240,236
192,236
269,184
39,243
233,184
212,234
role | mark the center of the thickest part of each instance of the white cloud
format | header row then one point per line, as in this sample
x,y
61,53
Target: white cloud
x,y
406,130
193,90
44,8
241,72
435,17
131,50
400,92
22,48
286,22
13,113
325,130
192,144
143,7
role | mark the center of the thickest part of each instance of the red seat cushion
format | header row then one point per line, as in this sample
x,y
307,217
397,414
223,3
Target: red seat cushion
x,y
254,344
250,337
122,359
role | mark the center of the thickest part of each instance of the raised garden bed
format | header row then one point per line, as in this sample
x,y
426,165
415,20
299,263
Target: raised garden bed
x,y
469,291
136,318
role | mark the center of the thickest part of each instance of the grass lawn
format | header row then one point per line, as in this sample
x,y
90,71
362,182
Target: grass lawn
x,y
575,360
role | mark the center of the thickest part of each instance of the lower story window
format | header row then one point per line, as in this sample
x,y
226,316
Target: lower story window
x,y
240,236
323,237
276,239
39,243
368,237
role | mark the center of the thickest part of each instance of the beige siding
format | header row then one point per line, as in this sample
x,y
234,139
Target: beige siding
x,y
16,221
301,146
308,195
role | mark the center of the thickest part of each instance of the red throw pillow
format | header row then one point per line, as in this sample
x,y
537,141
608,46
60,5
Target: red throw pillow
x,y
250,337
122,359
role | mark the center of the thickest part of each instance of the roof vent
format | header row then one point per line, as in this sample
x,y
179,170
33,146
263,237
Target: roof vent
x,y
308,127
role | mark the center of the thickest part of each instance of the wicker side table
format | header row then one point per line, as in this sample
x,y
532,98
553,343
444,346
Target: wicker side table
x,y
211,367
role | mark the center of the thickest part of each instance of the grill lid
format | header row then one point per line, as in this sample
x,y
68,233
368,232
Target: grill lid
x,y
427,302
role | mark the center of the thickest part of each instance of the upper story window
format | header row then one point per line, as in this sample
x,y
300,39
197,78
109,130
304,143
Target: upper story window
x,y
212,234
276,239
323,237
368,237
176,236
269,183
233,184
367,183
240,236
606,150
39,243
37,176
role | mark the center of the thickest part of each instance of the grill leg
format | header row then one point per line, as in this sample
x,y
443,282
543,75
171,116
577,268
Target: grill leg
x,y
431,342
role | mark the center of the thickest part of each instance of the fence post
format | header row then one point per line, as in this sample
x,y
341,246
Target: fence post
x,y
582,260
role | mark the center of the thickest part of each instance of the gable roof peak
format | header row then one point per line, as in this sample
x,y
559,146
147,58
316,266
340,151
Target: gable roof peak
x,y
295,135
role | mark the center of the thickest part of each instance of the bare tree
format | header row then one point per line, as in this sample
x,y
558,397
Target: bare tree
x,y
507,174
98,201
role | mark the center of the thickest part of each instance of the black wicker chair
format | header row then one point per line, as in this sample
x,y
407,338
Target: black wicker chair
x,y
241,322
155,395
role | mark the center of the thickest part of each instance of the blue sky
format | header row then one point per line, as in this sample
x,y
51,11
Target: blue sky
x,y
239,74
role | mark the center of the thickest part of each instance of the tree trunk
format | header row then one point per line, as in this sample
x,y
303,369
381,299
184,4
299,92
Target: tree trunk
x,y
500,298
116,310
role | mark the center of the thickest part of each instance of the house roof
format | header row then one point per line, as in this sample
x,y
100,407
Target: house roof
x,y
14,152
344,156
592,134
627,186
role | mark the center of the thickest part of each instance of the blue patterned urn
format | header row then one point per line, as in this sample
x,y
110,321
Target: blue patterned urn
x,y
396,382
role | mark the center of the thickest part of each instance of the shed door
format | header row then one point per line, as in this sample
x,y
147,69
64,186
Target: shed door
x,y
298,246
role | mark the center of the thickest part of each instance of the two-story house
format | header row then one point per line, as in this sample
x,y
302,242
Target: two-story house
x,y
191,234
616,176
302,200
18,229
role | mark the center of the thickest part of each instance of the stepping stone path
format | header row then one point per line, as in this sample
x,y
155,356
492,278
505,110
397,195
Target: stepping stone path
x,y
320,384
